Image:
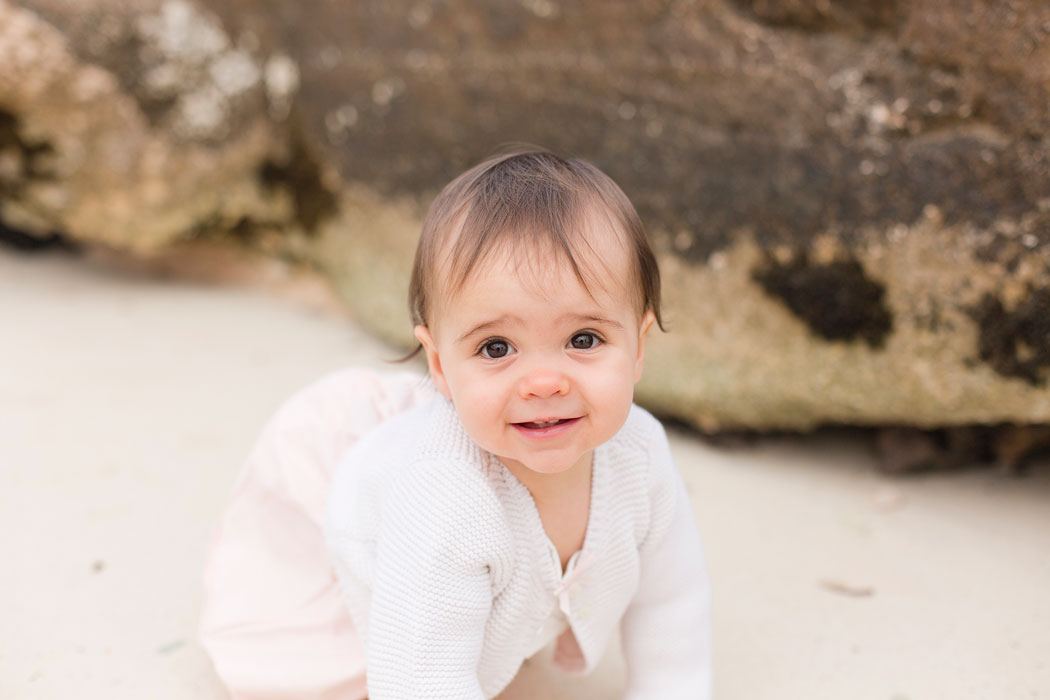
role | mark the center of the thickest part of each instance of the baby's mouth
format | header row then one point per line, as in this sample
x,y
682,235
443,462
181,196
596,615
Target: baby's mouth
x,y
543,424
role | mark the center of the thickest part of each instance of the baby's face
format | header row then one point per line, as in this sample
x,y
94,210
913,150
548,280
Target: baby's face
x,y
540,370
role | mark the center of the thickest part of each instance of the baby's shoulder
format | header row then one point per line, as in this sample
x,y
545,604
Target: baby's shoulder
x,y
642,426
640,452
642,436
417,461
425,443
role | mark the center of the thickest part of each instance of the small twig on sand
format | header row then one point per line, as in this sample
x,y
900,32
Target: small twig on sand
x,y
847,590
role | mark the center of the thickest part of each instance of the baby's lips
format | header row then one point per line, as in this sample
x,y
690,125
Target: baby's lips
x,y
540,424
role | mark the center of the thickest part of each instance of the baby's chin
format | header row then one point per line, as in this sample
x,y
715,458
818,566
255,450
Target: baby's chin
x,y
546,467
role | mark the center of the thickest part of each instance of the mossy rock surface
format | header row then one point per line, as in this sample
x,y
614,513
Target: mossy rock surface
x,y
851,201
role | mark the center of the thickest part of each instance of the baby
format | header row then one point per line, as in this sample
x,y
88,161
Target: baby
x,y
523,501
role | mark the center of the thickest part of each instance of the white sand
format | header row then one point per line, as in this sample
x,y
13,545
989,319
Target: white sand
x,y
126,405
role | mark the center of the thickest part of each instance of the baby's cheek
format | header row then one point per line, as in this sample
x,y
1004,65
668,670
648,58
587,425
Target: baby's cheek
x,y
479,416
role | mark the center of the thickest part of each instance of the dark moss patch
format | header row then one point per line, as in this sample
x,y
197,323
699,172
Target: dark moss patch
x,y
245,230
1015,342
838,301
30,154
30,158
300,174
29,243
809,15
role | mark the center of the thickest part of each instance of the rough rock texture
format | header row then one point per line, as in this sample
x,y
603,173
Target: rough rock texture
x,y
129,126
851,200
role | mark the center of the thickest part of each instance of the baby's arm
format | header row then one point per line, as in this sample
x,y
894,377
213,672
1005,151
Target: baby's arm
x,y
666,629
432,589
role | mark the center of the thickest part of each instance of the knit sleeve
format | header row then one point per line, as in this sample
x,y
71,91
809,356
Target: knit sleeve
x,y
438,544
666,628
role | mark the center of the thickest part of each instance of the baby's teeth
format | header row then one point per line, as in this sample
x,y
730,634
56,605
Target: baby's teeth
x,y
543,423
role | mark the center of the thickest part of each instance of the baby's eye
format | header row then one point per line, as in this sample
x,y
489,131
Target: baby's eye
x,y
495,349
585,341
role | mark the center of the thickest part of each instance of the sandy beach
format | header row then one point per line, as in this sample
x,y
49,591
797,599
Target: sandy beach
x,y
128,402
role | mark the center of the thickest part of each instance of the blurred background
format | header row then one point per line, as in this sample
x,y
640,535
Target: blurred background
x,y
204,206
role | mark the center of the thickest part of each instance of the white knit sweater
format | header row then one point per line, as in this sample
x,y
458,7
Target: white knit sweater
x,y
448,572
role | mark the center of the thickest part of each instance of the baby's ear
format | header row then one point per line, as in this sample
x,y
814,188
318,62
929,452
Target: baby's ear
x,y
433,360
643,332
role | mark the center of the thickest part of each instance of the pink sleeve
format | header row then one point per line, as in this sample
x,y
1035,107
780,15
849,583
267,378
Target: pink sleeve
x,y
273,620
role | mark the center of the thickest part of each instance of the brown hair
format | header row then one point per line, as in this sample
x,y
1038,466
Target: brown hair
x,y
535,202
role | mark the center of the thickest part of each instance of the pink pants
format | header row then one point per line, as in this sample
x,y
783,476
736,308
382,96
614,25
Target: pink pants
x,y
273,618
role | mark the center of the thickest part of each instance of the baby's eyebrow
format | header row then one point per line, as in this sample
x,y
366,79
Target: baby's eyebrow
x,y
600,320
486,325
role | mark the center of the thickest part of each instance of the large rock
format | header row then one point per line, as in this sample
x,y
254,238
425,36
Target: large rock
x,y
851,200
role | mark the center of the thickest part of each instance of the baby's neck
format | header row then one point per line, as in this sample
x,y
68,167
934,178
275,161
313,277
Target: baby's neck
x,y
553,487
563,501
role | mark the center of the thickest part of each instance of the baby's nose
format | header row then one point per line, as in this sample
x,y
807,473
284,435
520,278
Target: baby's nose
x,y
543,383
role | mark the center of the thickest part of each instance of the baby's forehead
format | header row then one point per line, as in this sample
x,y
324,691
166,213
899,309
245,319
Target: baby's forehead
x,y
600,264
588,239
